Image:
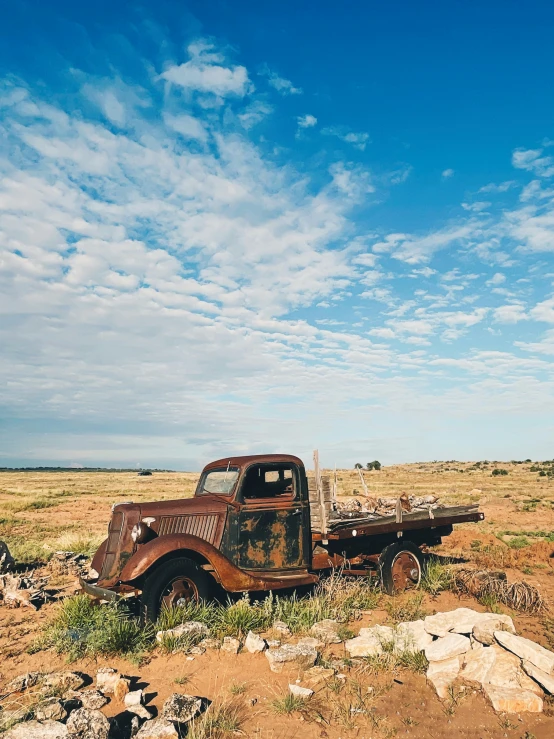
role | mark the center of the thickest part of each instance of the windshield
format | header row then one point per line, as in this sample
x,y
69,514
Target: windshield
x,y
220,482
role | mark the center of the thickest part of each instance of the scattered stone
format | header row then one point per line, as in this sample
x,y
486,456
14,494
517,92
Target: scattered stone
x,y
230,645
106,679
281,628
181,708
36,730
442,674
86,723
299,691
474,643
364,645
303,656
484,629
50,710
254,643
134,703
543,678
527,650
121,688
249,702
89,698
22,682
273,642
327,631
64,680
447,647
134,726
197,650
317,677
26,590
411,636
157,729
385,634
310,641
190,628
513,700
210,643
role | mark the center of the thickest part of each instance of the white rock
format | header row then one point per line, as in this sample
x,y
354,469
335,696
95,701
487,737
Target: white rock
x,y
442,674
412,637
543,678
181,707
317,677
230,645
189,628
513,700
254,643
157,729
281,627
326,631
385,634
63,680
460,621
299,691
364,646
447,647
311,642
527,650
106,679
303,656
87,723
507,672
36,730
89,698
483,631
477,664
50,710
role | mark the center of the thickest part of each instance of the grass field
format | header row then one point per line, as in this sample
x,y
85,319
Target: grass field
x,y
41,512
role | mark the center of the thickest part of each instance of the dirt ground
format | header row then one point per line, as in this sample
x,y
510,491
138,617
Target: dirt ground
x,y
43,512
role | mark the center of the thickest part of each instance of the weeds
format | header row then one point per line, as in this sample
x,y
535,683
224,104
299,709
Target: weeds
x,y
238,688
288,704
436,576
406,610
521,596
220,720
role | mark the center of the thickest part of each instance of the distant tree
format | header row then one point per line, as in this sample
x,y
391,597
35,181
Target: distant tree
x,y
369,466
498,471
358,466
376,464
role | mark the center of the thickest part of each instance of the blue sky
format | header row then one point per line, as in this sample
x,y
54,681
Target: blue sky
x,y
243,227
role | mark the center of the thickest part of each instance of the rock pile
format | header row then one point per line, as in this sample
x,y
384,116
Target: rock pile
x,y
76,713
477,649
386,506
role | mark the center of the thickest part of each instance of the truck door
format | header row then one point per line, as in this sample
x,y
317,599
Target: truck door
x,y
274,523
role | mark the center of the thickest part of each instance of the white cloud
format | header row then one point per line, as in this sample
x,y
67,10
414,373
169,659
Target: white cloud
x,y
187,126
281,84
205,73
358,140
497,188
415,250
306,121
512,313
446,174
255,113
532,161
477,207
544,311
497,279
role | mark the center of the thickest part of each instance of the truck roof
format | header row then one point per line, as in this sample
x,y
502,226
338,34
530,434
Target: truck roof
x,y
252,458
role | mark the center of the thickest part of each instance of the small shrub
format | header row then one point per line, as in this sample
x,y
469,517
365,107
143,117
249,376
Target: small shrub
x,y
436,576
219,721
288,704
406,610
414,661
238,688
498,471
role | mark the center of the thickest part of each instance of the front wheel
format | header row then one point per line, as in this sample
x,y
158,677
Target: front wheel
x,y
174,583
400,565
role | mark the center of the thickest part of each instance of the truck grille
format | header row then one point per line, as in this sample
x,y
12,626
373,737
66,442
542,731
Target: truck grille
x,y
114,533
205,527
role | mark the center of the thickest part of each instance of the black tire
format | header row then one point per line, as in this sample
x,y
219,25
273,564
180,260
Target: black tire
x,y
160,584
400,567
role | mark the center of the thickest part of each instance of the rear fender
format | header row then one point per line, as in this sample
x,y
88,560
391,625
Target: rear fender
x,y
98,558
149,555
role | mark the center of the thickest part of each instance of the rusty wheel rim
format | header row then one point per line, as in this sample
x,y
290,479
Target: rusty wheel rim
x,y
181,591
406,571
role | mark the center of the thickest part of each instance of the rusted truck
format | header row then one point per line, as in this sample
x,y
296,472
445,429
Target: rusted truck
x,y
249,528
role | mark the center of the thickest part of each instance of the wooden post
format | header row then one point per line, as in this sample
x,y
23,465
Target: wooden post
x,y
335,486
361,474
320,495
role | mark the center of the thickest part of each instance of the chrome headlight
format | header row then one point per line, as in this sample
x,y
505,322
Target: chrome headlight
x,y
139,533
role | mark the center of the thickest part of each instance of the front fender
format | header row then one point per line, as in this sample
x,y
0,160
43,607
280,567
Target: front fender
x,y
227,574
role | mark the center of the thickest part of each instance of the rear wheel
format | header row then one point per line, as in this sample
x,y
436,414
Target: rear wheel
x,y
174,583
400,565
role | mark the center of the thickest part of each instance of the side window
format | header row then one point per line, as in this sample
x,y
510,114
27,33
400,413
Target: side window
x,y
269,482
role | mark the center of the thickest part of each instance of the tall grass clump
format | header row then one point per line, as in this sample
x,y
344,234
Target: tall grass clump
x,y
437,576
219,721
81,629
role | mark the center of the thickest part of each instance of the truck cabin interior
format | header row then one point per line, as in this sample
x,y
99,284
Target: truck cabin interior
x,y
268,481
